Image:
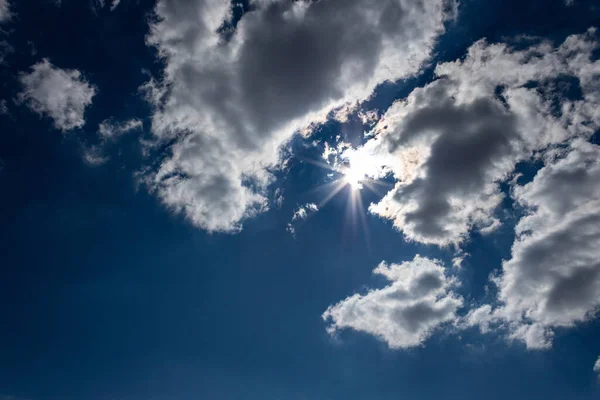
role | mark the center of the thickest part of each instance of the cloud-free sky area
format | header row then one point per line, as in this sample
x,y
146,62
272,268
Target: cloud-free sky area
x,y
304,200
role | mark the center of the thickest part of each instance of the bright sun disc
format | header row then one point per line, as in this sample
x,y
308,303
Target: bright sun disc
x,y
354,179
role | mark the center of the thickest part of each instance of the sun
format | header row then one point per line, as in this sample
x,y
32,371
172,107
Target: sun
x,y
354,177
357,170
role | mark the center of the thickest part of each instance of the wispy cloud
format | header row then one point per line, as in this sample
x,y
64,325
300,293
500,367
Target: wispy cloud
x,y
301,213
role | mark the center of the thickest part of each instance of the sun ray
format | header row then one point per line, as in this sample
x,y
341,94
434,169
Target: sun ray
x,y
339,186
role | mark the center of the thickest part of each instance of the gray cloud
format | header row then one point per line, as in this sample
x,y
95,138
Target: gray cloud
x,y
466,147
94,156
405,313
5,13
553,277
61,94
110,129
232,100
451,143
5,50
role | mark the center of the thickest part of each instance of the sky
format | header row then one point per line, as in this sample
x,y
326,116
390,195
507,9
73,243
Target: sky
x,y
304,200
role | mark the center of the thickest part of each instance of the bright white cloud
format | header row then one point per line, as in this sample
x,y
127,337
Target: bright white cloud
x,y
597,366
232,96
302,211
61,94
450,143
404,314
110,130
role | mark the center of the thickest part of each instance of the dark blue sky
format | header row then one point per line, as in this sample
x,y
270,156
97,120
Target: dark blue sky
x,y
106,294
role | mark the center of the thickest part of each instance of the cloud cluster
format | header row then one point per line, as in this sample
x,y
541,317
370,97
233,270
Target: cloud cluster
x,y
449,144
553,276
597,366
452,142
61,94
234,91
404,314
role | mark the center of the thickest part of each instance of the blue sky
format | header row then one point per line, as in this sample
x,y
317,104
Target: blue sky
x,y
169,223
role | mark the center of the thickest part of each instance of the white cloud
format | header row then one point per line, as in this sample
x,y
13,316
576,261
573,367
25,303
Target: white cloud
x,y
232,96
110,130
301,213
404,314
597,366
5,13
61,94
450,143
553,276
114,4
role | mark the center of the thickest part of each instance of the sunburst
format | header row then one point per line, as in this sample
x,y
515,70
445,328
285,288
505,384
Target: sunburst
x,y
356,173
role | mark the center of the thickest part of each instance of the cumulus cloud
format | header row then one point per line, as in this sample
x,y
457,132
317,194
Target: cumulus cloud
x,y
61,94
449,144
552,279
405,313
234,92
597,366
110,129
